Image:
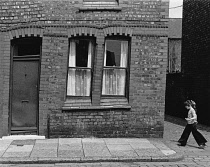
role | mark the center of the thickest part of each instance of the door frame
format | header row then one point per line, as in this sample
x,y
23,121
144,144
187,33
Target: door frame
x,y
23,58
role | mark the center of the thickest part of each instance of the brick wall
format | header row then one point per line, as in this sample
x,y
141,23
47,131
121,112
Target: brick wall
x,y
194,81
5,73
1,81
196,54
141,113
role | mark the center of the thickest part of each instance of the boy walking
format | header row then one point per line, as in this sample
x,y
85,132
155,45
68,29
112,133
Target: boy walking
x,y
191,126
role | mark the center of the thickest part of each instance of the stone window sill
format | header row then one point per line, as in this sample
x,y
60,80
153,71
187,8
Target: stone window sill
x,y
86,104
65,108
100,8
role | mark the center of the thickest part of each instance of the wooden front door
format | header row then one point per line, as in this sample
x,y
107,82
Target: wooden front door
x,y
24,96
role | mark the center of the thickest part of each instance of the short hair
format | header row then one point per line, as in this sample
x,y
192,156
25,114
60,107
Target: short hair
x,y
187,103
190,103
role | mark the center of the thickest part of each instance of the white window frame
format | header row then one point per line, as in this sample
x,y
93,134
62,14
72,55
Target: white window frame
x,y
80,77
114,80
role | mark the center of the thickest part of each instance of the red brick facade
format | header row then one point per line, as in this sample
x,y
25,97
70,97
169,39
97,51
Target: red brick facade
x,y
138,114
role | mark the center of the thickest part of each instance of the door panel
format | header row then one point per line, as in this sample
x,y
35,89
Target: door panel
x,y
24,98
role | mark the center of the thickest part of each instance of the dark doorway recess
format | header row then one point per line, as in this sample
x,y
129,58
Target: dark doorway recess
x,y
24,88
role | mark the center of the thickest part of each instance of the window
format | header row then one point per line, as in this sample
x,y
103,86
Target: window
x,y
174,55
80,67
27,46
107,1
100,3
115,67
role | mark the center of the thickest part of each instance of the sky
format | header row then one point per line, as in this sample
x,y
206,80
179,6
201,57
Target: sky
x,y
177,11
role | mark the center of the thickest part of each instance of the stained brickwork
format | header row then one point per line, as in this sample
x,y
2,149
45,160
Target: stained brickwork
x,y
144,22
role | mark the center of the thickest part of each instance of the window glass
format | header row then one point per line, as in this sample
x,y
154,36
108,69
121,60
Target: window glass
x,y
115,66
80,64
100,0
116,53
113,49
81,53
27,46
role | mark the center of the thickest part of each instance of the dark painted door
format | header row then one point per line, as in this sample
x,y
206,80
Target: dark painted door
x,y
24,98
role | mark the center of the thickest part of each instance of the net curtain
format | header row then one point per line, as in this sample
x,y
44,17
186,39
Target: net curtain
x,y
114,78
79,79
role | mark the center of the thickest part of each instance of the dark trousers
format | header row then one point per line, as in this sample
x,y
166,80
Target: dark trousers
x,y
197,135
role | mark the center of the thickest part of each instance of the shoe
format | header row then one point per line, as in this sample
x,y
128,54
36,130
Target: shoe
x,y
181,144
202,146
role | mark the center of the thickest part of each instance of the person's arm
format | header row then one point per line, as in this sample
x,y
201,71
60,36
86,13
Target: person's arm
x,y
193,114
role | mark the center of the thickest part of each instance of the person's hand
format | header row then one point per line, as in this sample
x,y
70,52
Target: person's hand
x,y
187,119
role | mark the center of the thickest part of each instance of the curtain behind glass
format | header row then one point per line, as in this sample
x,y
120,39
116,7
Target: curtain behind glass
x,y
79,80
71,72
113,81
113,78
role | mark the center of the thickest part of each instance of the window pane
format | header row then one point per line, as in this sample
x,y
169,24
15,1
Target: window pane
x,y
113,81
79,81
100,0
113,49
27,46
116,53
82,53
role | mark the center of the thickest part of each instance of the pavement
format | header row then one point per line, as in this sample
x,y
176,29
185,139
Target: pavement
x,y
85,150
192,156
108,152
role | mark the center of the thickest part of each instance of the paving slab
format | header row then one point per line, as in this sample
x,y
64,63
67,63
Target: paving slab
x,y
21,148
70,147
70,141
44,153
51,146
23,142
2,152
4,144
121,147
16,154
70,153
48,141
168,152
115,141
149,152
124,153
93,140
137,140
142,145
96,150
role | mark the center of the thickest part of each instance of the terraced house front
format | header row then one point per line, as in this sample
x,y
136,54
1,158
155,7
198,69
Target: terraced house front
x,y
83,68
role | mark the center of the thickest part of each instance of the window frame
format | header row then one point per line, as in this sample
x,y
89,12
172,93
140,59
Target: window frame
x,y
91,5
93,39
170,62
117,1
127,69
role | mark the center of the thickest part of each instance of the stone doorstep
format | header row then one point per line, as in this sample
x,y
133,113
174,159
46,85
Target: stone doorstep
x,y
22,137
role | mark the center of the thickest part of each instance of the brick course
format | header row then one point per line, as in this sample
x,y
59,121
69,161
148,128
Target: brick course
x,y
140,114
